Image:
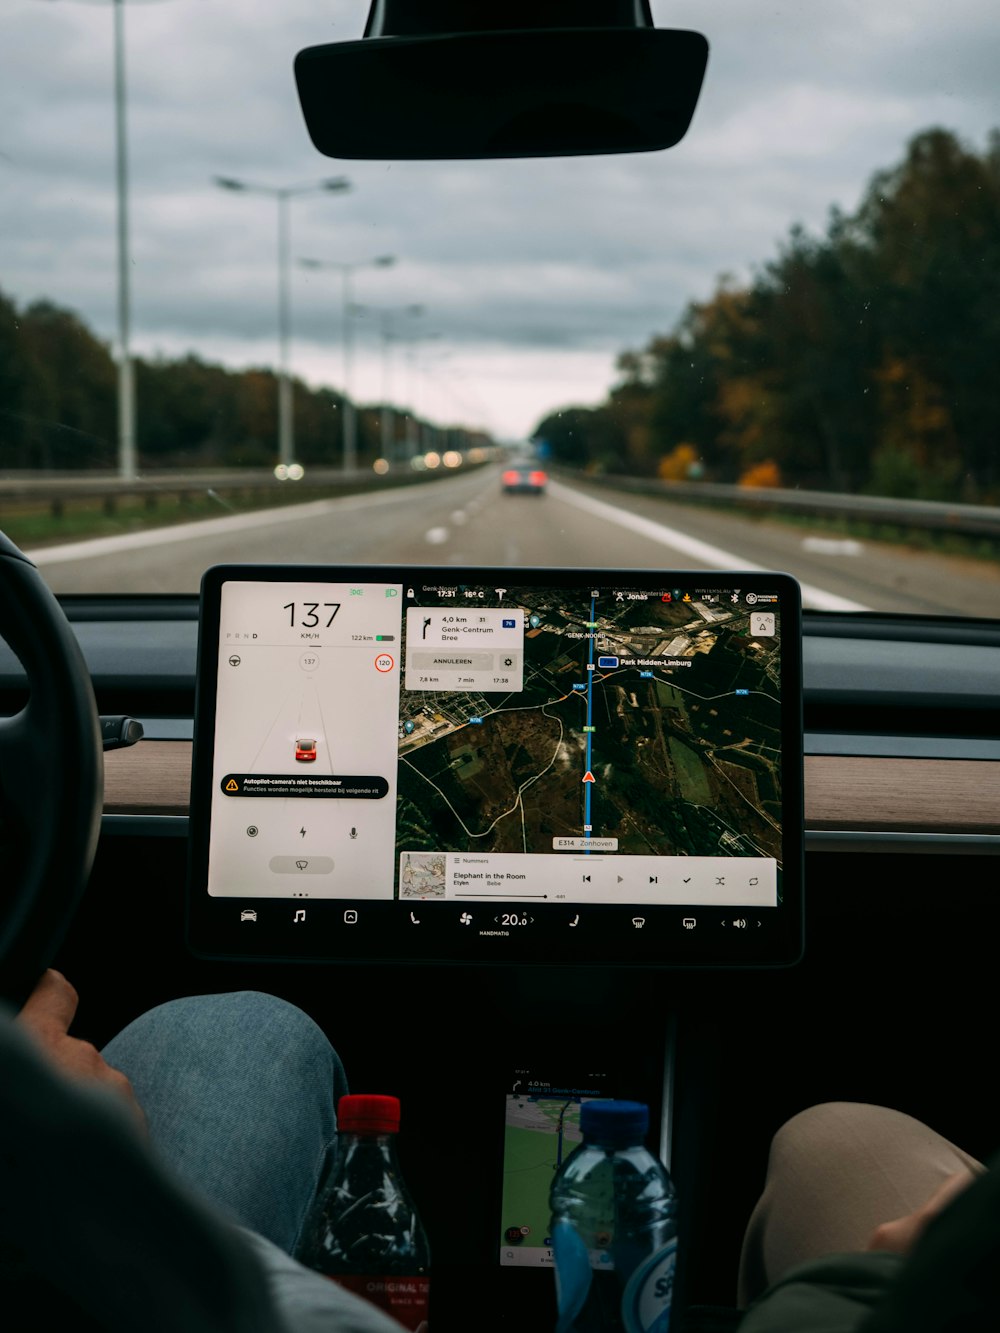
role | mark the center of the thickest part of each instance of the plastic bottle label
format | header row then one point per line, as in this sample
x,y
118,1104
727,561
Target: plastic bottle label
x,y
405,1298
647,1296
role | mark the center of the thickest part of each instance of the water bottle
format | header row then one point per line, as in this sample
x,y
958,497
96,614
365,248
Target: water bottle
x,y
614,1227
364,1232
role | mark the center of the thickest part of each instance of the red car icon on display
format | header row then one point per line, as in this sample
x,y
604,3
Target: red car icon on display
x,y
305,749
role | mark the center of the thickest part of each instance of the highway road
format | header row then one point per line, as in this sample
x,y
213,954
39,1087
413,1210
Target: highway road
x,y
465,519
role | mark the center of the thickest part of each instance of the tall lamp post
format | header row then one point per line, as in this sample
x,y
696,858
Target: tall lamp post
x,y
284,194
414,433
126,381
346,270
387,320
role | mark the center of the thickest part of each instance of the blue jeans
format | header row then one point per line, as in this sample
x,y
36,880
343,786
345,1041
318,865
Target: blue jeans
x,y
239,1092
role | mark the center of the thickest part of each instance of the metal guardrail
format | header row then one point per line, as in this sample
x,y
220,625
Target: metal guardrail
x,y
931,515
56,491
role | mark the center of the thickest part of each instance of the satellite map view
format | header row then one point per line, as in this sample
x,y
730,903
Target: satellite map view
x,y
647,725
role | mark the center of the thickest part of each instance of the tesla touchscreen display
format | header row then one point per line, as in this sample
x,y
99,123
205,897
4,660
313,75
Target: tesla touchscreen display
x,y
530,745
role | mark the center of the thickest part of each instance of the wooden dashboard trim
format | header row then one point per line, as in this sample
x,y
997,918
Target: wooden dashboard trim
x,y
868,794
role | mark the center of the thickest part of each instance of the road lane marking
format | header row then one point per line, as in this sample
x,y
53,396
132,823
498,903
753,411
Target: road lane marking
x,y
436,536
832,545
815,598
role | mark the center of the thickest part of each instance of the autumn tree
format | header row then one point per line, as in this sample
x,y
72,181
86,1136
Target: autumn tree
x,y
861,359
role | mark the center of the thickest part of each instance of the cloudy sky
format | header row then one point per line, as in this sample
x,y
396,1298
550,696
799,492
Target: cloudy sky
x,y
532,275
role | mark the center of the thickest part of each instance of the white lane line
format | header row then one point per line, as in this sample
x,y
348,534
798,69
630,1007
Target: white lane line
x,y
458,517
436,536
832,545
209,527
815,598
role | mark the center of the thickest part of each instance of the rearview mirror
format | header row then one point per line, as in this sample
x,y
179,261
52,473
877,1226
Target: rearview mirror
x,y
543,92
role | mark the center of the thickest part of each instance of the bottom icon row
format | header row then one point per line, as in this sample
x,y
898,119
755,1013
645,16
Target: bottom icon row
x,y
350,918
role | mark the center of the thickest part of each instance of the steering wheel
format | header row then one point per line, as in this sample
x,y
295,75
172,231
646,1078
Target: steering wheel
x,y
51,779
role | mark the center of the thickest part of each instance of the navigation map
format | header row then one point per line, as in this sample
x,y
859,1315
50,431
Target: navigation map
x,y
653,720
539,1134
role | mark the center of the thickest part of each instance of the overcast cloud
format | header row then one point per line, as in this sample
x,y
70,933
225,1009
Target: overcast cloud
x,y
532,275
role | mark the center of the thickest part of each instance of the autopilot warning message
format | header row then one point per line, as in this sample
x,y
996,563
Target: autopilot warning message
x,y
281,784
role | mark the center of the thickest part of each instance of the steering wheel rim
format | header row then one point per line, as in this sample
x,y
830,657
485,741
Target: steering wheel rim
x,y
51,778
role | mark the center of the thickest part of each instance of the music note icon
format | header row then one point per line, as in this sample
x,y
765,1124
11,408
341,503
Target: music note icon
x,y
300,915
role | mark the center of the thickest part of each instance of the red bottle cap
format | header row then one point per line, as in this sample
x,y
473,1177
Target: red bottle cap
x,y
368,1113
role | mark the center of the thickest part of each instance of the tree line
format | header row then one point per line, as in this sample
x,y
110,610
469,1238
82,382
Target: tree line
x,y
866,359
58,405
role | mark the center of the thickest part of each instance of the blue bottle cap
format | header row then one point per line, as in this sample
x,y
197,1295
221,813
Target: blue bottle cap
x,y
616,1123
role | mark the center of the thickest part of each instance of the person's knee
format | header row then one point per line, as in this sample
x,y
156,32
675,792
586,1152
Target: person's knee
x,y
286,1029
828,1129
252,1010
231,1020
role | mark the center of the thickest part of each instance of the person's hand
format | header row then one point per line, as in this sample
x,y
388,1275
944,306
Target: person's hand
x,y
47,1015
901,1234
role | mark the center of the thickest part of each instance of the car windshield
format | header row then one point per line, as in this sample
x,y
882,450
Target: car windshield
x,y
772,346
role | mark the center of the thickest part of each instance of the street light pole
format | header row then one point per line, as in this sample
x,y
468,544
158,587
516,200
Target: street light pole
x,y
350,417
350,420
283,194
416,434
126,379
387,318
387,421
286,453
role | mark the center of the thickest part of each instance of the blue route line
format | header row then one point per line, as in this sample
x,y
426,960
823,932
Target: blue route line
x,y
590,714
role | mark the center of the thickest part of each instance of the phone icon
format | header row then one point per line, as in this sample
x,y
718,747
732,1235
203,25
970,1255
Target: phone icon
x,y
415,919
576,920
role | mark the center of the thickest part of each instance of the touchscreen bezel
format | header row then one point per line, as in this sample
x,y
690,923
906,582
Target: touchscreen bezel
x,y
347,930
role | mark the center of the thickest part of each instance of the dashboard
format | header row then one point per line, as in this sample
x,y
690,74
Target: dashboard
x,y
887,701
